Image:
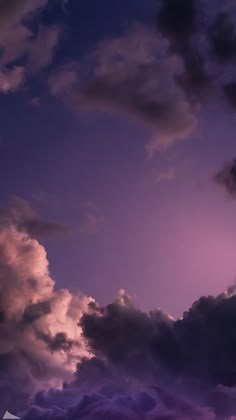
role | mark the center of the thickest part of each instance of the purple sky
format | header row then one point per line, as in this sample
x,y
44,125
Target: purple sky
x,y
156,226
117,209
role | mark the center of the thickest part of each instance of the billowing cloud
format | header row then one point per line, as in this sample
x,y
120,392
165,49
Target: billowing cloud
x,y
63,356
150,366
226,177
41,342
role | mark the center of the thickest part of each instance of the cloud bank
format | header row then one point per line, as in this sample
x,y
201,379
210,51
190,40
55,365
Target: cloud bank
x,y
63,356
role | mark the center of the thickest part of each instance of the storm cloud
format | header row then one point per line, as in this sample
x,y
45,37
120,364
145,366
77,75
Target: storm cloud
x,y
150,366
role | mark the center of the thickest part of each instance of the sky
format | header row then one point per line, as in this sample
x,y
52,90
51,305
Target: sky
x,y
152,223
118,187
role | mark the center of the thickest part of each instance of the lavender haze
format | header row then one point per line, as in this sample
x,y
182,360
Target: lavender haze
x,y
118,186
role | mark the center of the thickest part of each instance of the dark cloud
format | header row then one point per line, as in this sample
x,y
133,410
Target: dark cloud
x,y
57,342
18,212
135,75
150,366
195,78
159,76
35,311
222,37
226,177
201,345
130,364
178,19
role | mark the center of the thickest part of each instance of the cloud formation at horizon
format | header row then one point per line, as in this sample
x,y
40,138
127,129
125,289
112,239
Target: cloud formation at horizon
x,y
63,356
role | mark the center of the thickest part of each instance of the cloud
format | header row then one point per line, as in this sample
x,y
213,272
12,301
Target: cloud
x,y
134,75
178,19
158,76
12,79
13,10
18,41
41,342
222,37
18,212
150,366
226,177
37,49
64,356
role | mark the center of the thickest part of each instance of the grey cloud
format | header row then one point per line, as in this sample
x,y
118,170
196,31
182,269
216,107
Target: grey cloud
x,y
18,212
134,75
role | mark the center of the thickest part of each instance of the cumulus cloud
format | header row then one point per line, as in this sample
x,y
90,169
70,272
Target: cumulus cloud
x,y
63,356
41,342
150,366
